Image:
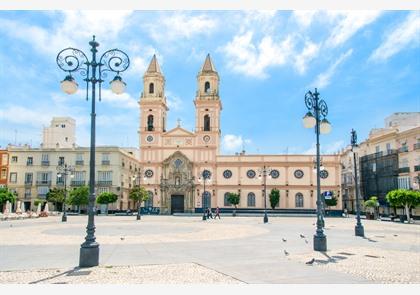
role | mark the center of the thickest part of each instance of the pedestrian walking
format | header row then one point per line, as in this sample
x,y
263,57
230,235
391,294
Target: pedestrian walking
x,y
210,213
217,213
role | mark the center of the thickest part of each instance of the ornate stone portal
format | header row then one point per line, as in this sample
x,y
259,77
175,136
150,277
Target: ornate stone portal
x,y
177,180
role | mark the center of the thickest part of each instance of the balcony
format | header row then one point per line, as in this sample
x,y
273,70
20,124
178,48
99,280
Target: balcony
x,y
417,168
60,183
28,163
403,149
28,195
45,163
78,182
43,182
416,146
105,162
79,162
404,170
28,182
104,182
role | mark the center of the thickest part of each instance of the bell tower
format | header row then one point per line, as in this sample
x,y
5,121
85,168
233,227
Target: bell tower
x,y
153,109
208,107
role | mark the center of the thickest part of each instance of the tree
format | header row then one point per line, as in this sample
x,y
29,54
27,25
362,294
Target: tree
x,y
404,198
56,195
79,196
274,198
6,195
106,198
372,204
331,202
138,194
234,199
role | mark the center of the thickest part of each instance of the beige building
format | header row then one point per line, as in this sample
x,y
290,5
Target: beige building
x,y
388,159
33,171
173,160
60,134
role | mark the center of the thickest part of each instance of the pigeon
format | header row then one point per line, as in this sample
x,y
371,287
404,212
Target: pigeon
x,y
122,239
306,241
284,240
310,262
302,236
11,225
286,253
395,235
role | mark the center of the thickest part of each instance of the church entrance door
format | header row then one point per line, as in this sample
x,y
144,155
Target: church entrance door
x,y
177,204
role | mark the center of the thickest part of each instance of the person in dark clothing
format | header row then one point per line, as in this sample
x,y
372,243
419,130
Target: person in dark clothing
x,y
217,213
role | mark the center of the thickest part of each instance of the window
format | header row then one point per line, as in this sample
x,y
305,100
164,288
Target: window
x,y
79,157
14,159
60,179
105,175
61,161
377,149
30,161
206,123
27,192
403,163
251,200
151,88
102,190
44,160
150,123
226,201
388,146
404,182
13,177
79,175
28,178
43,190
63,125
207,87
149,202
3,173
43,177
299,200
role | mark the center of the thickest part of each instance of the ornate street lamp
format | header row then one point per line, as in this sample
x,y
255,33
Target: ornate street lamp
x,y
316,108
205,175
358,229
72,60
63,171
138,177
263,173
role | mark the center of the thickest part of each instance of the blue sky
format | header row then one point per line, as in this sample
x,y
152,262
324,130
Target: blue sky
x,y
365,64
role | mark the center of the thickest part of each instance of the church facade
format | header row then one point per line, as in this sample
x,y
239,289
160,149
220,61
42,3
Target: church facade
x,y
173,161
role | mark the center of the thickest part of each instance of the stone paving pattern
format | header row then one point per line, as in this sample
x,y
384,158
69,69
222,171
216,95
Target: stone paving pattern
x,y
173,249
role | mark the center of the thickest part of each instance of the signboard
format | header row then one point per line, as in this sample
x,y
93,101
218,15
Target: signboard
x,y
327,195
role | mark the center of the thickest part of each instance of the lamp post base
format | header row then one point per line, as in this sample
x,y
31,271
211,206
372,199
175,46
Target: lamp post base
x,y
204,217
320,243
89,255
138,217
359,231
64,218
265,218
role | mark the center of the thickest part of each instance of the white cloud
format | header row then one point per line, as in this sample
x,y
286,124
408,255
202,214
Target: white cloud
x,y
323,79
349,23
304,17
174,102
251,59
231,142
405,33
309,52
180,25
326,149
22,115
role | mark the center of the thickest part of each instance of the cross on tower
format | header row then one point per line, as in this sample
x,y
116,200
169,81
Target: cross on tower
x,y
179,122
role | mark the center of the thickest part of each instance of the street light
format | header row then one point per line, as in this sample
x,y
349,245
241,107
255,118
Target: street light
x,y
316,108
206,174
64,170
72,60
135,177
264,172
358,229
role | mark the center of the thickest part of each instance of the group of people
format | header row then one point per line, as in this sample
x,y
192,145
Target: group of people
x,y
209,213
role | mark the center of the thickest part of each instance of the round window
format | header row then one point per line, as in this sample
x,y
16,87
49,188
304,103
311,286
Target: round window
x,y
206,174
298,173
250,173
323,174
275,173
148,173
227,174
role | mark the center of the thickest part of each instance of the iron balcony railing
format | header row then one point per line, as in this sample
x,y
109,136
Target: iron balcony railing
x,y
45,163
104,182
78,182
417,146
403,149
404,170
105,162
28,182
79,162
28,195
43,182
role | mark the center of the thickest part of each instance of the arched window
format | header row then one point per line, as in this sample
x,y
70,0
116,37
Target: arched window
x,y
206,123
151,88
149,202
226,200
207,87
150,123
299,200
251,200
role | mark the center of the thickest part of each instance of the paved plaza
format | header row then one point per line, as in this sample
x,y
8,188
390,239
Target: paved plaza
x,y
187,250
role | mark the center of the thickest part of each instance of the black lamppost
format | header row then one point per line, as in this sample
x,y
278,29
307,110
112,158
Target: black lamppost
x,y
135,177
316,108
73,60
358,229
63,171
206,174
264,172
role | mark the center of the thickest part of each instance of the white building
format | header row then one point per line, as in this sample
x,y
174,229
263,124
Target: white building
x,y
61,133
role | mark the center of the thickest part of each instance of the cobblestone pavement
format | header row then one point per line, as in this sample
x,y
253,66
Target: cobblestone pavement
x,y
168,249
186,273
